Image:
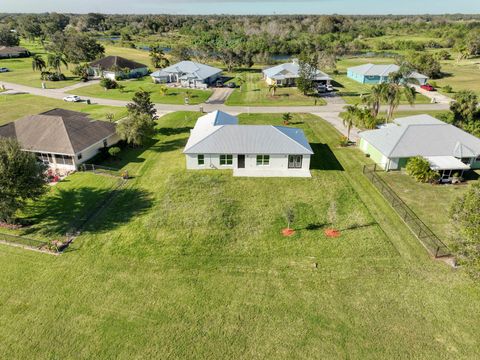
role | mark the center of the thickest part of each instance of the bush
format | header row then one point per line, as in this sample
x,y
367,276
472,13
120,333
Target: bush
x,y
419,169
108,84
114,151
448,89
343,141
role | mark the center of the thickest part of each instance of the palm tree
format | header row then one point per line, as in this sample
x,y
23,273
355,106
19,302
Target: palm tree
x,y
393,94
38,63
163,90
273,88
286,118
374,99
56,61
158,58
350,118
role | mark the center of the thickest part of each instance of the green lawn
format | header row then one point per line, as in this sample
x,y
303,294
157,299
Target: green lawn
x,y
13,107
21,70
462,75
255,93
174,95
191,264
351,90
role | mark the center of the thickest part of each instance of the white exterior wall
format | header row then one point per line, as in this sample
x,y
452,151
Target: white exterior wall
x,y
93,150
212,161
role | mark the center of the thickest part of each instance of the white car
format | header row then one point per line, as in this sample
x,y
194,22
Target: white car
x,y
2,69
72,98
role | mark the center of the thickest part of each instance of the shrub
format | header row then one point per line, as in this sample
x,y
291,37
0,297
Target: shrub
x,y
108,84
448,89
343,141
114,151
419,169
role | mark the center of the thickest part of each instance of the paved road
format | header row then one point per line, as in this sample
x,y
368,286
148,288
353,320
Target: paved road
x,y
331,107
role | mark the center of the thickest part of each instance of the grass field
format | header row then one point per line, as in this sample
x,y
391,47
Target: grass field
x,y
187,264
255,93
174,95
21,70
462,75
13,107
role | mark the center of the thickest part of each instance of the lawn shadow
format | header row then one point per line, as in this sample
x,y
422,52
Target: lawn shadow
x,y
74,209
471,175
170,145
324,158
167,131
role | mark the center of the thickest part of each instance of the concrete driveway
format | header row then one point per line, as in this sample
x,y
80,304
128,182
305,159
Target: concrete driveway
x,y
435,96
219,96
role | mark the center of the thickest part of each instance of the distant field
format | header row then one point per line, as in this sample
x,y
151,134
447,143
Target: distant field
x,y
255,93
462,75
13,107
174,95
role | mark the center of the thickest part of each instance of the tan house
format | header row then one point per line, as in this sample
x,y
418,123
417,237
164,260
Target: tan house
x,y
61,139
13,52
117,67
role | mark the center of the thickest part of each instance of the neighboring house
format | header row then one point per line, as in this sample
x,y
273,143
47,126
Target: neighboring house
x,y
288,73
376,74
13,52
447,148
218,142
61,139
188,74
117,67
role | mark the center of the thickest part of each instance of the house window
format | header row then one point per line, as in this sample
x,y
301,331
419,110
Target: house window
x,y
226,159
201,159
79,156
263,160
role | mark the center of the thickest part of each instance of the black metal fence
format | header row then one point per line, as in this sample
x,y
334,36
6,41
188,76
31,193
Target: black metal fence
x,y
423,233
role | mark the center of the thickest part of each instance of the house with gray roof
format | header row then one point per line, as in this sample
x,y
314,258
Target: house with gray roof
x,y
188,74
117,67
447,148
288,73
61,139
13,52
218,142
376,74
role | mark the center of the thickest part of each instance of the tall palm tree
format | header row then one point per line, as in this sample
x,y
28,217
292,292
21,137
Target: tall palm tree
x,y
158,58
38,63
273,88
393,94
350,118
56,61
374,99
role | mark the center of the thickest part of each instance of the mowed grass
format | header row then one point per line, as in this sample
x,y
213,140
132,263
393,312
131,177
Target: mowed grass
x,y
461,75
173,96
13,107
21,70
351,90
191,264
255,92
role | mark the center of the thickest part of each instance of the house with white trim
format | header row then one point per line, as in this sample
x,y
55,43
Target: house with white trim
x,y
288,73
116,67
448,149
61,139
188,74
218,141
377,74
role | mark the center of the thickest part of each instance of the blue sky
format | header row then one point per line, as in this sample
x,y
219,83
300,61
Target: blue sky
x,y
245,6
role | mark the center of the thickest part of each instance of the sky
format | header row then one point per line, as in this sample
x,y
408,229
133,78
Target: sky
x,y
244,6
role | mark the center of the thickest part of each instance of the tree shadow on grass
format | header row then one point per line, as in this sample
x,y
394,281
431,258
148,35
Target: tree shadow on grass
x,y
174,131
170,145
324,158
74,209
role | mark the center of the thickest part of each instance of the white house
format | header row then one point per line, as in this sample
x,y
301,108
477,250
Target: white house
x,y
188,74
288,73
218,142
61,139
117,67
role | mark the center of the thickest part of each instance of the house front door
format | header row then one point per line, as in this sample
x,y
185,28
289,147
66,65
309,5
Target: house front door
x,y
295,161
241,161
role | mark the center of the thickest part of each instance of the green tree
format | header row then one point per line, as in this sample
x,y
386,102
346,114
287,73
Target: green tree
x,y
136,129
56,61
81,71
464,108
287,117
114,151
142,104
307,72
465,217
273,88
158,58
394,92
374,99
8,38
163,90
38,63
419,168
425,63
350,118
22,178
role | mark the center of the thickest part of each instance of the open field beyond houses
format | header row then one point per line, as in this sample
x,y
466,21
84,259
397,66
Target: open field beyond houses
x,y
185,264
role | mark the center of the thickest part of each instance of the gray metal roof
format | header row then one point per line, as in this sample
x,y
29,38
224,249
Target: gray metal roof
x,y
189,68
422,135
230,138
381,70
290,70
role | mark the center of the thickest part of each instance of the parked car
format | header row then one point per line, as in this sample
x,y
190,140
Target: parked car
x,y
232,85
321,88
219,84
330,87
427,87
72,98
3,69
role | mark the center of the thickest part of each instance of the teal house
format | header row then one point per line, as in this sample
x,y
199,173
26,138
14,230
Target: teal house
x,y
377,74
448,149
